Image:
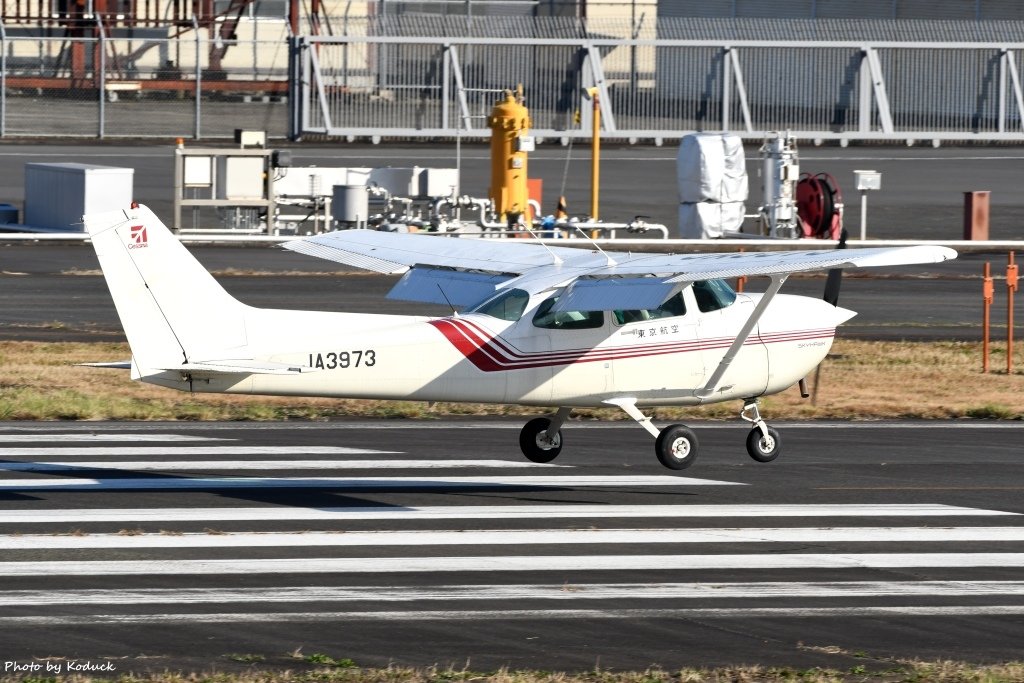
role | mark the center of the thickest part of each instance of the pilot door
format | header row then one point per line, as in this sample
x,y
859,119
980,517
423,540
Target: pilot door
x,y
720,316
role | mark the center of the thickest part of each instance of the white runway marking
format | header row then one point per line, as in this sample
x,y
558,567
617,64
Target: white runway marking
x,y
191,465
513,538
508,563
239,449
206,483
746,613
497,592
445,512
102,437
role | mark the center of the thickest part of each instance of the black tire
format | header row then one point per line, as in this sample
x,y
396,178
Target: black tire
x,y
530,441
677,447
762,450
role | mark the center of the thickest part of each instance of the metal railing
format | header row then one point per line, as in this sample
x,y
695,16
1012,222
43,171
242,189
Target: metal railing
x,y
109,85
659,89
372,86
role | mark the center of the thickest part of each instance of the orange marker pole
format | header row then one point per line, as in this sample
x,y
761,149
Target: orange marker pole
x,y
1011,287
987,293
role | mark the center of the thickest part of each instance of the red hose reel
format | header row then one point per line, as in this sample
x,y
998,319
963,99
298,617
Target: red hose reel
x,y
819,206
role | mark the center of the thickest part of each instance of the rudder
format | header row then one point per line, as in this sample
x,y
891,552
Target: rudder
x,y
172,310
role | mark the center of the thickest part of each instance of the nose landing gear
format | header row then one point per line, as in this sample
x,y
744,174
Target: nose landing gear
x,y
764,443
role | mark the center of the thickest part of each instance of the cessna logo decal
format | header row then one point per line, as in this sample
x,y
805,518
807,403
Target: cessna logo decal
x,y
138,238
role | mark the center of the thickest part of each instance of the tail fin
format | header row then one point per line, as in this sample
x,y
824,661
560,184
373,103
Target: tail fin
x,y
171,308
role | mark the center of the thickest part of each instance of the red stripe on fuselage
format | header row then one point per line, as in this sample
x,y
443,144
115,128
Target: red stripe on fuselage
x,y
490,354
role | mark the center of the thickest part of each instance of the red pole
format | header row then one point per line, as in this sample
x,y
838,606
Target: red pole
x,y
987,292
1011,287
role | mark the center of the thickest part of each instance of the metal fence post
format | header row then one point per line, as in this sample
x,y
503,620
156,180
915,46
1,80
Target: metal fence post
x,y
101,79
446,76
295,99
196,130
3,80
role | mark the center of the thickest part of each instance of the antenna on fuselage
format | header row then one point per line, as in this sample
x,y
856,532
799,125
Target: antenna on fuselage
x,y
455,313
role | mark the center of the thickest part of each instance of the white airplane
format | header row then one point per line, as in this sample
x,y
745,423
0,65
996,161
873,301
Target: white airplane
x,y
540,326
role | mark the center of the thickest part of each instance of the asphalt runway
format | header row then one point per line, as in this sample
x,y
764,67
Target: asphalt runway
x,y
54,292
921,195
199,546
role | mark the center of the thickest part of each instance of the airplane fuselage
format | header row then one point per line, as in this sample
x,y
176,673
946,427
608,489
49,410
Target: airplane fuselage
x,y
479,358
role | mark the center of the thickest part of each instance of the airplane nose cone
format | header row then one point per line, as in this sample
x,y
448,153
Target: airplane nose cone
x,y
841,315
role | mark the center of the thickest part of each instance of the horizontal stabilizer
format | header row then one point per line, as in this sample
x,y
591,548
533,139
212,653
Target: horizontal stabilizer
x,y
112,365
611,294
237,366
445,286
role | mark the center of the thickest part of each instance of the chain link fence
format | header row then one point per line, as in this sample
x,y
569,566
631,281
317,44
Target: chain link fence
x,y
156,87
657,78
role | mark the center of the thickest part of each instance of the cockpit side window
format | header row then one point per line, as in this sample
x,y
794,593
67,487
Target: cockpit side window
x,y
672,307
508,305
547,319
713,295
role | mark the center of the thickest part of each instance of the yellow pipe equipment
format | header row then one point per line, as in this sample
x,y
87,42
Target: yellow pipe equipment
x,y
509,121
595,153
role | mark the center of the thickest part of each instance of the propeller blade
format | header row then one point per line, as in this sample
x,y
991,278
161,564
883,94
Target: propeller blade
x,y
835,276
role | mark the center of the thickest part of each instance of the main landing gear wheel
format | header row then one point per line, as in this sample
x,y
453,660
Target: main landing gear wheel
x,y
536,446
676,447
761,448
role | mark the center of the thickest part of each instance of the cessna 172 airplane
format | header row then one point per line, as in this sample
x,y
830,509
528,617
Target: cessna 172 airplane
x,y
540,326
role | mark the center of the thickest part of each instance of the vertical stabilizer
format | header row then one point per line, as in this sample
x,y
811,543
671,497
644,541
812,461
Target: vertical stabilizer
x,y
172,310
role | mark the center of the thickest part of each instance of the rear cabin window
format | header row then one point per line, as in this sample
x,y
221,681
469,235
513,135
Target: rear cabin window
x,y
508,305
713,295
673,306
547,319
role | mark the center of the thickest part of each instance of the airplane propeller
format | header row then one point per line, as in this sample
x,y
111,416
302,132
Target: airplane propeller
x,y
832,284
835,276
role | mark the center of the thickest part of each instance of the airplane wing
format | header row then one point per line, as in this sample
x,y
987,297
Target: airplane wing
x,y
594,280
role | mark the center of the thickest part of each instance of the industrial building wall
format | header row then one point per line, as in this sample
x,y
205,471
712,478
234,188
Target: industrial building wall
x,y
981,10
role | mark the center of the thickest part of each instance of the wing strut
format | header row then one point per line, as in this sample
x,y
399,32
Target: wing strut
x,y
744,334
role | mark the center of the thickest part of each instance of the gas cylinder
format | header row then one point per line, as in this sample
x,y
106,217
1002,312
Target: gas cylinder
x,y
509,122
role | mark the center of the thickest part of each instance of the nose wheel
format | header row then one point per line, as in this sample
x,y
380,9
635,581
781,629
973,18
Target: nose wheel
x,y
764,443
761,447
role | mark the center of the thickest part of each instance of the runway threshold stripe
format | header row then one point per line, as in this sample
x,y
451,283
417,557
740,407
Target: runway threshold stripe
x,y
239,449
514,537
507,563
745,613
358,483
104,437
234,465
448,512
559,591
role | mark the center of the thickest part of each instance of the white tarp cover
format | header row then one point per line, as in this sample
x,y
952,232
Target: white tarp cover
x,y
708,220
711,168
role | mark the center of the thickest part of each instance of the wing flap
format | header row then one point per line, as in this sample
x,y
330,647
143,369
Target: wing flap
x,y
609,294
445,286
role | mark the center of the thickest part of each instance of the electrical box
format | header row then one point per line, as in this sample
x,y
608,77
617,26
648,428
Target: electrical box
x,y
57,195
416,181
240,177
198,171
868,180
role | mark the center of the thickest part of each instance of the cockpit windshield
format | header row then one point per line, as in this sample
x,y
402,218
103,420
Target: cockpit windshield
x,y
505,305
713,295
